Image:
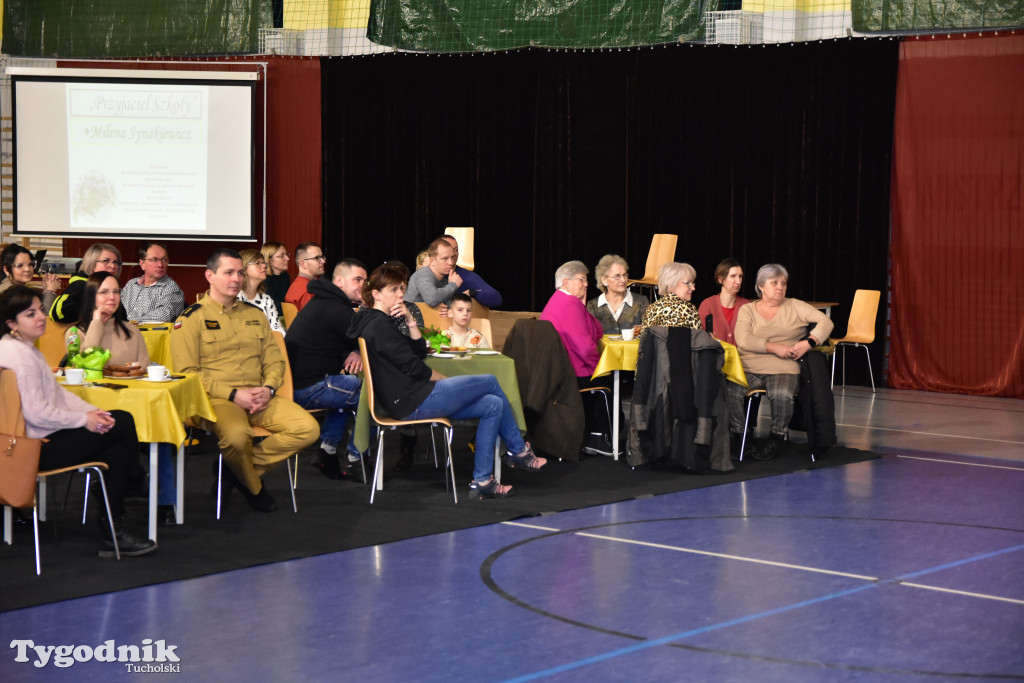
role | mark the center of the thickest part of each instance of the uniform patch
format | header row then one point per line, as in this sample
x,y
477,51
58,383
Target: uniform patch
x,y
253,322
212,324
190,310
177,324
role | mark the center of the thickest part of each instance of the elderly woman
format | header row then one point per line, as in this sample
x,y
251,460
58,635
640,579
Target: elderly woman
x,y
772,335
254,287
616,308
579,330
278,280
76,432
724,306
98,257
674,308
18,268
409,389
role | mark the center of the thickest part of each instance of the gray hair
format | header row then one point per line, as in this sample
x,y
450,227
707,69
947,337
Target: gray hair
x,y
672,273
604,265
93,253
568,271
768,272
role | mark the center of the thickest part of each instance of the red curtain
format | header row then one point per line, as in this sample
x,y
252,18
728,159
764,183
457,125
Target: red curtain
x,y
957,318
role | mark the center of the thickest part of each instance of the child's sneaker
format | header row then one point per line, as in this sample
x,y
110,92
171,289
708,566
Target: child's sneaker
x,y
526,460
490,489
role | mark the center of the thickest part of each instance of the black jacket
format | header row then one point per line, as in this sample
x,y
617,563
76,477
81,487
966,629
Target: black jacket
x,y
815,404
317,340
401,380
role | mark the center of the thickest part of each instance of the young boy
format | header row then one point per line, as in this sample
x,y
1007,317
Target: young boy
x,y
460,310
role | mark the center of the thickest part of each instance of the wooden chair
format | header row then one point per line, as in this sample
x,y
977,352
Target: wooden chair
x,y
860,331
389,423
51,344
289,311
465,238
663,250
12,421
431,318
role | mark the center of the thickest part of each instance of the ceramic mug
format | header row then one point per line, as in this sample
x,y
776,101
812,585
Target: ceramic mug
x,y
627,333
74,375
157,373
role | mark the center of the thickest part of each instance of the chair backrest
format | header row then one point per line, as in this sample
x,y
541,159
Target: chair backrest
x,y
368,384
51,344
289,311
431,318
465,238
861,328
287,389
12,421
200,296
663,250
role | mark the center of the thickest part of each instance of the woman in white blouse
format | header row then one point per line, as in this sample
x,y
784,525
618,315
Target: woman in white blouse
x,y
254,287
76,431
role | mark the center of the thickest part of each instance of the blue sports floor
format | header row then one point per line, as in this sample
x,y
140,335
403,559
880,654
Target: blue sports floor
x,y
907,568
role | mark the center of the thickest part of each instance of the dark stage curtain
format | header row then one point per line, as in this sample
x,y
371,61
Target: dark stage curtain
x,y
771,153
957,217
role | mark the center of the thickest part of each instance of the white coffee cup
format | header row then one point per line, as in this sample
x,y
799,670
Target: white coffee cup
x,y
627,333
74,375
157,373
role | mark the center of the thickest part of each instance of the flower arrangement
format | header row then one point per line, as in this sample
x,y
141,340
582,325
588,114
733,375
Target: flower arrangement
x,y
435,338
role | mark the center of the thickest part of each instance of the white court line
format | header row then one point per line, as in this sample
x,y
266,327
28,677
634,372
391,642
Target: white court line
x,y
944,436
730,557
967,593
958,462
531,526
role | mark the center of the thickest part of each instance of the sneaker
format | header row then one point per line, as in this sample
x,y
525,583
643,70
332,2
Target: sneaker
x,y
525,460
489,489
597,444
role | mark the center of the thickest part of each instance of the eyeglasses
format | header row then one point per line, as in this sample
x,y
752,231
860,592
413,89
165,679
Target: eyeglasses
x,y
156,260
320,258
30,265
620,276
105,292
687,283
257,263
581,279
107,262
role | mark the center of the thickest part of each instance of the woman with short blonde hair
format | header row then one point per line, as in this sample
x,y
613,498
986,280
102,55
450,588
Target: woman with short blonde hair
x,y
616,308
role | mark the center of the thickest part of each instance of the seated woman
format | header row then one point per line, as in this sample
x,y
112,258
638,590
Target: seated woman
x,y
409,389
674,308
616,308
771,335
102,322
254,287
76,432
18,268
724,306
98,257
278,280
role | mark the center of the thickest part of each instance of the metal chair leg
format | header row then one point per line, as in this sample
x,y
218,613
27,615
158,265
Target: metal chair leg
x,y
746,427
220,470
291,480
110,517
870,371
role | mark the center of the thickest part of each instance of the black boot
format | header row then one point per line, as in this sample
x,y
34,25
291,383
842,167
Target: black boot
x,y
127,544
771,447
327,464
404,463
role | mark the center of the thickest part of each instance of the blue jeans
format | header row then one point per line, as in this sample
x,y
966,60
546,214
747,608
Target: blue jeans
x,y
339,394
475,396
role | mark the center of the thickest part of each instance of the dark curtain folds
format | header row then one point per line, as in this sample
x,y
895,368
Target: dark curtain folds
x,y
778,153
958,219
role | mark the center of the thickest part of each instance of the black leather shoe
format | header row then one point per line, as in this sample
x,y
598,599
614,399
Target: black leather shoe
x,y
262,501
165,515
770,448
327,465
127,544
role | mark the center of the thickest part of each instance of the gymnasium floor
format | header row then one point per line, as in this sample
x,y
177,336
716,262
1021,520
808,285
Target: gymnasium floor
x,y
906,568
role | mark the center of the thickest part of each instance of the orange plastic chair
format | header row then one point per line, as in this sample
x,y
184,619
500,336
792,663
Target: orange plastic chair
x,y
860,331
663,250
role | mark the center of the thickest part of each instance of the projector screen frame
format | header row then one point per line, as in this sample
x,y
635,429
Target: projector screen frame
x,y
252,78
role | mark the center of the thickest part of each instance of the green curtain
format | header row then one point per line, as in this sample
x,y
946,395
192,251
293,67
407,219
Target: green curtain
x,y
133,28
935,15
471,25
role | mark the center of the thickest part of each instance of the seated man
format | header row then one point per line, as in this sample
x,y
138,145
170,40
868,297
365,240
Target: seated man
x,y
325,361
472,283
435,283
154,296
310,261
229,343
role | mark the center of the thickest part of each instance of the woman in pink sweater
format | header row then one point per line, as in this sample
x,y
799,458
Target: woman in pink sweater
x,y
76,432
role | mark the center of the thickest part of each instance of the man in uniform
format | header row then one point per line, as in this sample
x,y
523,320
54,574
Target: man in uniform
x,y
229,343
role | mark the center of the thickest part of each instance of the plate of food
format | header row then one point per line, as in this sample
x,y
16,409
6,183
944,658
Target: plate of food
x,y
486,352
444,355
125,371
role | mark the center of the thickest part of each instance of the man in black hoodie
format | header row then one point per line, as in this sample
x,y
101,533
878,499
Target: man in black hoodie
x,y
325,361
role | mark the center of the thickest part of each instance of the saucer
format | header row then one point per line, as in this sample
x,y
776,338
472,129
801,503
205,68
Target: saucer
x,y
487,352
165,379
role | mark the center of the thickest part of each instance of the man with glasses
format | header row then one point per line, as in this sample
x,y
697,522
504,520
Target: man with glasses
x,y
100,257
310,260
153,297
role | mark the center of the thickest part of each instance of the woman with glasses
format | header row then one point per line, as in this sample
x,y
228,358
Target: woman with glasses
x,y
254,287
673,308
278,280
19,269
616,308
99,257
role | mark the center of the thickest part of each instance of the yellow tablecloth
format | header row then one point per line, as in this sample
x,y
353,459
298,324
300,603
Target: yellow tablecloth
x,y
158,342
617,354
502,367
159,408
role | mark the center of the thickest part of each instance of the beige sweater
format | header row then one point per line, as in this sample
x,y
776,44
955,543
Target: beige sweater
x,y
122,351
788,326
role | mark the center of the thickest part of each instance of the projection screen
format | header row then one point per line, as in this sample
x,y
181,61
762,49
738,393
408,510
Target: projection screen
x,y
127,153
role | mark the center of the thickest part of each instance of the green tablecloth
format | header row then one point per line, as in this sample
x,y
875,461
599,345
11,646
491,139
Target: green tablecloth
x,y
502,367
